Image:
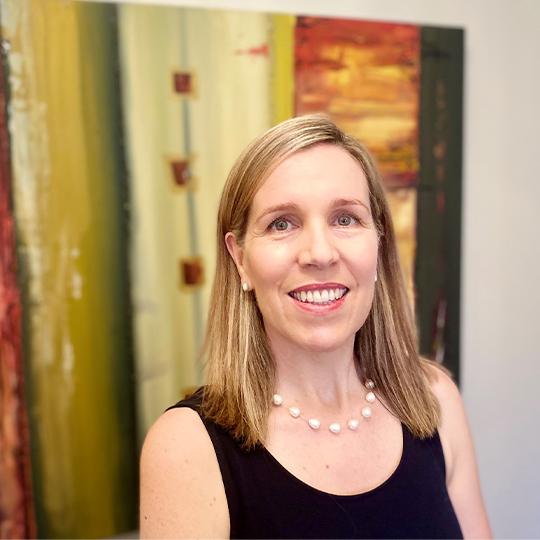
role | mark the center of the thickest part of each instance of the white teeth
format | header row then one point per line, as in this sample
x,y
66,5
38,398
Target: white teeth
x,y
323,296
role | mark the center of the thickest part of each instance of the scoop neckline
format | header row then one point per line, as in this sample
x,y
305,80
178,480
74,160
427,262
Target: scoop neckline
x,y
367,493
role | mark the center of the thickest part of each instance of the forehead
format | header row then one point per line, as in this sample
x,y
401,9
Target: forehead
x,y
319,172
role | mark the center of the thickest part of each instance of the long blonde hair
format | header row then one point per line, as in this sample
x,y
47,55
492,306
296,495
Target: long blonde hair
x,y
240,367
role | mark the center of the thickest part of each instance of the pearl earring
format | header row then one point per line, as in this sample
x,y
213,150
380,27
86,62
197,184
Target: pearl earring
x,y
245,286
375,278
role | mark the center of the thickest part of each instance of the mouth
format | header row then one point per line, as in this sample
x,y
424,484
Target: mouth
x,y
319,296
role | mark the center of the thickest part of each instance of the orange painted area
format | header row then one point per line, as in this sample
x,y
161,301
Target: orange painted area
x,y
365,75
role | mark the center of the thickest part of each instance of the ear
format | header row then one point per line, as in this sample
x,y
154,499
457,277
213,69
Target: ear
x,y
237,253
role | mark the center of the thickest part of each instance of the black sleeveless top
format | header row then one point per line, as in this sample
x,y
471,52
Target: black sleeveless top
x,y
266,501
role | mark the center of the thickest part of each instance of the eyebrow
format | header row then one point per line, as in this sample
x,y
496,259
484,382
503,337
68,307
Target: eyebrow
x,y
288,206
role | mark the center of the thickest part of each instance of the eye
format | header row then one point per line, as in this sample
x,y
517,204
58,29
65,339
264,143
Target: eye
x,y
345,220
280,224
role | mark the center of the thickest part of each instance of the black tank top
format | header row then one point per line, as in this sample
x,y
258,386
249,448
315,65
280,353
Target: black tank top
x,y
266,501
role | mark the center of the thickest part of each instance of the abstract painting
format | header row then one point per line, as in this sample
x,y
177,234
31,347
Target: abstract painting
x,y
123,122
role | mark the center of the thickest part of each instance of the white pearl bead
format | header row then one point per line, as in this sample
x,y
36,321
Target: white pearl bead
x,y
314,423
366,412
370,385
294,412
277,399
353,424
370,397
334,428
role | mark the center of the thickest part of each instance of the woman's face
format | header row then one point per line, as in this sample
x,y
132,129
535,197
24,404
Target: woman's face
x,y
310,249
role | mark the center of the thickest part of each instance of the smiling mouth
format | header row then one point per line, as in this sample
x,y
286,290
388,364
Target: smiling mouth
x,y
319,296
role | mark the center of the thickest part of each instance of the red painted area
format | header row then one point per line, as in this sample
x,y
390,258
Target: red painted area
x,y
182,82
260,50
192,270
181,172
441,203
393,43
16,503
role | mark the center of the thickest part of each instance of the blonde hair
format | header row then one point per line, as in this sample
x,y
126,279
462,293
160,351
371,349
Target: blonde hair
x,y
240,367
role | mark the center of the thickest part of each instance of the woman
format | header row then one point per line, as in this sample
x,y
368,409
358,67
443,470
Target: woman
x,y
319,419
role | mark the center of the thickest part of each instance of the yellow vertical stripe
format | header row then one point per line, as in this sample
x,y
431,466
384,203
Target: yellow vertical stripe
x,y
282,50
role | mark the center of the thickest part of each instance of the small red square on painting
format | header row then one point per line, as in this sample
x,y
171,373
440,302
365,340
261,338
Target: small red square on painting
x,y
183,83
192,271
181,172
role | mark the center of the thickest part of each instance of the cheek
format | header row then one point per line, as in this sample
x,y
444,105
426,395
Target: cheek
x,y
267,267
363,259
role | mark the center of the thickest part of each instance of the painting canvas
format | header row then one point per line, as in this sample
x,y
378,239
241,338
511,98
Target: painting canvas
x,y
124,121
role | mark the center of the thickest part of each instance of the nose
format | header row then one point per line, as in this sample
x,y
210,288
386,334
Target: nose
x,y
317,247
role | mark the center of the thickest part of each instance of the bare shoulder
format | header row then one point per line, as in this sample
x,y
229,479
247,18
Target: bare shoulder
x,y
461,469
182,493
446,391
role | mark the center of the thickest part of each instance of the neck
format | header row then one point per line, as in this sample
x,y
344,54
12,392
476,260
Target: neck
x,y
318,379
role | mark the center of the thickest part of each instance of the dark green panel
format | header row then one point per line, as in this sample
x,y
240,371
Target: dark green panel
x,y
438,261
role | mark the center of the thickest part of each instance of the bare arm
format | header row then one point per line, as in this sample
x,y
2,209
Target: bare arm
x,y
461,470
182,493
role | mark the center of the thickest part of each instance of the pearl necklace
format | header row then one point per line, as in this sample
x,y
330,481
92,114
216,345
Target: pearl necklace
x,y
334,427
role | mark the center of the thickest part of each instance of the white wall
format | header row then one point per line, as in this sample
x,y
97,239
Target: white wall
x,y
501,247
